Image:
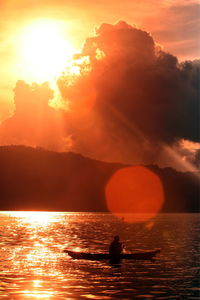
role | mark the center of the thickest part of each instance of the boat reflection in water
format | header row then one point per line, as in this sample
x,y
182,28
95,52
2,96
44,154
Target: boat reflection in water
x,y
34,266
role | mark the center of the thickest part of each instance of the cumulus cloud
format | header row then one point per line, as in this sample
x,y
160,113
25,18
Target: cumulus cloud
x,y
127,101
189,151
34,122
144,98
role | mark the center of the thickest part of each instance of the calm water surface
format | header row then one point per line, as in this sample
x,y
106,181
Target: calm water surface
x,y
33,265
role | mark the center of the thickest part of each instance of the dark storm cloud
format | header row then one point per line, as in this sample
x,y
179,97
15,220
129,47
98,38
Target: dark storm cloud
x,y
143,97
131,102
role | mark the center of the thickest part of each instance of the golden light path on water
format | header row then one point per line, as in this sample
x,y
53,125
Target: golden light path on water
x,y
36,257
33,264
35,217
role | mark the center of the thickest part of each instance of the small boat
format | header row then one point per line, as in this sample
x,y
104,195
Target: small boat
x,y
145,255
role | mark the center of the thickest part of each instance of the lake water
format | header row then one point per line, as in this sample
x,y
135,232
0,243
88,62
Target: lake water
x,y
33,265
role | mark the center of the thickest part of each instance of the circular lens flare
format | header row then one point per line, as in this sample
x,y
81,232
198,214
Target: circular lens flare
x,y
135,194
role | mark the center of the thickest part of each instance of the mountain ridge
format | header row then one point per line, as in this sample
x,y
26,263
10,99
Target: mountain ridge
x,y
39,179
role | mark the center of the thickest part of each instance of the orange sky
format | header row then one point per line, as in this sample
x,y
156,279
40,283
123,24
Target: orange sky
x,y
174,24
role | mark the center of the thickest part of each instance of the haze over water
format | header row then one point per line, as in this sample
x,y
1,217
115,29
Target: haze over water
x,y
33,265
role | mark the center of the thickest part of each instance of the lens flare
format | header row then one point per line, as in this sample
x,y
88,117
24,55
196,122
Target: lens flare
x,y
135,194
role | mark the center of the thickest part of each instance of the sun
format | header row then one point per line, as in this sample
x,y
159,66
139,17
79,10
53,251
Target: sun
x,y
45,50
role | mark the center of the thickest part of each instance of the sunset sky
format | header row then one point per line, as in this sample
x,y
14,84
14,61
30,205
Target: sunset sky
x,y
84,109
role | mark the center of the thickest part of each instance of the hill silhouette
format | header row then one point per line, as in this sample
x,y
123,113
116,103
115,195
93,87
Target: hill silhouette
x,y
38,179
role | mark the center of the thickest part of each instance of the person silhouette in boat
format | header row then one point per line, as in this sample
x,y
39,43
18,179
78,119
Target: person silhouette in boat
x,y
115,249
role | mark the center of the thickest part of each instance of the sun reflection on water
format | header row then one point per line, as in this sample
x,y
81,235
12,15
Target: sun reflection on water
x,y
37,283
38,294
34,266
35,217
36,291
33,255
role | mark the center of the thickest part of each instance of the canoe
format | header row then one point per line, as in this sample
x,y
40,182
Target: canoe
x,y
145,255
